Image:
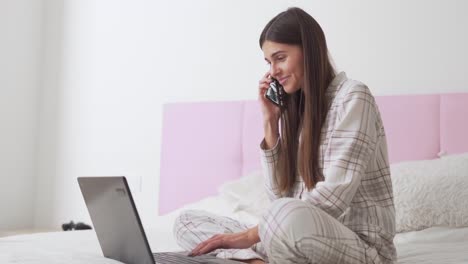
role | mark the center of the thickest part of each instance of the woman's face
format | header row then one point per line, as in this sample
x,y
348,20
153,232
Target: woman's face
x,y
286,64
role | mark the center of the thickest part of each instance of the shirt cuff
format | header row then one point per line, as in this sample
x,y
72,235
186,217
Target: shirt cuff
x,y
270,155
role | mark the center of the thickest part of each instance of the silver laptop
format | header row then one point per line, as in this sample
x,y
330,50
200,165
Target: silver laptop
x,y
118,225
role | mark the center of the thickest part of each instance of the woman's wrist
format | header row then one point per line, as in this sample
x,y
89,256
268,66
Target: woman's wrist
x,y
252,234
271,123
271,134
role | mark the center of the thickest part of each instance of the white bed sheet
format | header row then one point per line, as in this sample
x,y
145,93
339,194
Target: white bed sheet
x,y
432,245
75,246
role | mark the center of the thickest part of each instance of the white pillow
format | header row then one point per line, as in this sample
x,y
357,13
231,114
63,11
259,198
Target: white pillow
x,y
243,199
248,193
431,193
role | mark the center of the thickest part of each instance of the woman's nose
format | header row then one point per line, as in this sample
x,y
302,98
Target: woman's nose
x,y
274,71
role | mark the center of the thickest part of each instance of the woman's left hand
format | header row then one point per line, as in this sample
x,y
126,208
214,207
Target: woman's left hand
x,y
241,240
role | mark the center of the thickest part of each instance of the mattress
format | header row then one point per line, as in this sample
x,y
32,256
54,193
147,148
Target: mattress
x,y
432,245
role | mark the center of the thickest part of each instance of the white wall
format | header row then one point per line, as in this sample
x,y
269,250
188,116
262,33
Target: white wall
x,y
20,44
111,64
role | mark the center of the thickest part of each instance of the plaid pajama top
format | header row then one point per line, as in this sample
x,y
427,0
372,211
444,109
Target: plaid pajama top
x,y
357,189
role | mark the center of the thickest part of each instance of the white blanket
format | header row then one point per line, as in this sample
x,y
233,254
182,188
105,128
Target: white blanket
x,y
432,245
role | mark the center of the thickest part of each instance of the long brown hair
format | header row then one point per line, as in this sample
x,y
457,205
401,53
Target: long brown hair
x,y
307,108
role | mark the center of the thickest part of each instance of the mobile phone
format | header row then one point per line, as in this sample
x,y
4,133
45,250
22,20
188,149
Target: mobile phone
x,y
275,93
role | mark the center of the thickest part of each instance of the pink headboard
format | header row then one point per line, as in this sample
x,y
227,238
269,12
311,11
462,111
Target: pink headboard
x,y
208,143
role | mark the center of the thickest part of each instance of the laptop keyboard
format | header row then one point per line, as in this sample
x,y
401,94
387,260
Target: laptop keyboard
x,y
182,258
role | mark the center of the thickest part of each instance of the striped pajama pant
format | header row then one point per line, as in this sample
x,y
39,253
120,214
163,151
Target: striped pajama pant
x,y
290,230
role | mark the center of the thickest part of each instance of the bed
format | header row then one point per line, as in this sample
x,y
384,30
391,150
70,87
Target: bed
x,y
217,143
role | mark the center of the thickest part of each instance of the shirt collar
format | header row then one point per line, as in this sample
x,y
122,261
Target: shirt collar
x,y
339,78
335,84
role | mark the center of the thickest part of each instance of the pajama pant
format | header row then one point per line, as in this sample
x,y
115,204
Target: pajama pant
x,y
290,230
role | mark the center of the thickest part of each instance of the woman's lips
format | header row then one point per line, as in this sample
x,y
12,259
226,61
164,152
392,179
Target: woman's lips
x,y
283,80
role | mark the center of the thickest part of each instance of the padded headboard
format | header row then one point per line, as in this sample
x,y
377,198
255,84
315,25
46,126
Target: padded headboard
x,y
205,144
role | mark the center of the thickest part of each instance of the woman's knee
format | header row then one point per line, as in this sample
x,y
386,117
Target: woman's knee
x,y
289,210
287,218
183,222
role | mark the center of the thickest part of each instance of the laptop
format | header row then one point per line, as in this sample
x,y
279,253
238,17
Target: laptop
x,y
118,226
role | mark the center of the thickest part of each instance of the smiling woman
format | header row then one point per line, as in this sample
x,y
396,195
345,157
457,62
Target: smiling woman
x,y
286,64
327,172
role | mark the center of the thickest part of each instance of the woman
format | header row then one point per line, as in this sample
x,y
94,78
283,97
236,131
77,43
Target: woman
x,y
327,173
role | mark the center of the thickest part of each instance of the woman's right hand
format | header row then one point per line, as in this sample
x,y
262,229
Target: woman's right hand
x,y
271,112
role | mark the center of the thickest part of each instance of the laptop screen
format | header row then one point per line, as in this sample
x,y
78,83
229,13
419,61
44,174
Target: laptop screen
x,y
115,219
